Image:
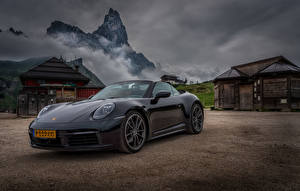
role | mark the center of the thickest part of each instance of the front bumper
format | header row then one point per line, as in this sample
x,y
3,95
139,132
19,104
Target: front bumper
x,y
77,148
75,137
76,140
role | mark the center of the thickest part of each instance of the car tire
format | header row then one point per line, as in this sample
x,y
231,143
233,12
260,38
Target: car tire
x,y
133,132
196,119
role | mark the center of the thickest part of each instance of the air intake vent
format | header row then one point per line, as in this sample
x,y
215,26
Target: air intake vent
x,y
83,139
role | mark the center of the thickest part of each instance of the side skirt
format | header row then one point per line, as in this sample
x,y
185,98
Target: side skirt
x,y
168,131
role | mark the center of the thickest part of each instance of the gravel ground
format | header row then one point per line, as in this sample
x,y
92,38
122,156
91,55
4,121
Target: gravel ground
x,y
235,151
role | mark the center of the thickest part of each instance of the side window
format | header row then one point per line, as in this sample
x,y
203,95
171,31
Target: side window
x,y
174,91
161,87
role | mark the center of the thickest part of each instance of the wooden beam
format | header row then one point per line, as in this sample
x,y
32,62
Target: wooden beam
x,y
289,92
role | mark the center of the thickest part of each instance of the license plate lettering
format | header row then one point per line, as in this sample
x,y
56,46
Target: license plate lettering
x,y
45,133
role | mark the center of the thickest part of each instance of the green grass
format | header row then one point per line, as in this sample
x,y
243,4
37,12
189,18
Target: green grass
x,y
204,91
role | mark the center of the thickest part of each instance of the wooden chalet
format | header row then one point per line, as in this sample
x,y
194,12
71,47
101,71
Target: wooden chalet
x,y
52,82
269,84
172,79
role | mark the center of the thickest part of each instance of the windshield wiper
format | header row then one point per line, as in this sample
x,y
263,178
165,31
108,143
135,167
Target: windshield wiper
x,y
112,97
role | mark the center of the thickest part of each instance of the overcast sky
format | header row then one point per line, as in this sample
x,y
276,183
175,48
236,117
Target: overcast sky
x,y
198,39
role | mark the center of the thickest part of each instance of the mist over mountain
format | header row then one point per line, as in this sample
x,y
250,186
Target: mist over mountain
x,y
111,37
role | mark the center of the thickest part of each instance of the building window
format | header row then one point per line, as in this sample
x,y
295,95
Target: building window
x,y
51,92
41,81
283,101
258,98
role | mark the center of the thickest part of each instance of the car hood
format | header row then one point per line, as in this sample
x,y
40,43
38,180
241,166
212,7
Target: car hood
x,y
70,112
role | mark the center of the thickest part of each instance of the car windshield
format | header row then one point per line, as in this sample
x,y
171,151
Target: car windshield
x,y
134,89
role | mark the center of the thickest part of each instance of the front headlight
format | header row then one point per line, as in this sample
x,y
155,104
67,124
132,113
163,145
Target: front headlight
x,y
103,111
43,111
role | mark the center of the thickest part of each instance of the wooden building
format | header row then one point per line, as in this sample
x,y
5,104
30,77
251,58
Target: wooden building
x,y
52,82
269,84
172,79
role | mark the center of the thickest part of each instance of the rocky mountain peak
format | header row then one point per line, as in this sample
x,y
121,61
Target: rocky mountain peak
x,y
113,29
113,12
12,31
15,32
61,27
110,35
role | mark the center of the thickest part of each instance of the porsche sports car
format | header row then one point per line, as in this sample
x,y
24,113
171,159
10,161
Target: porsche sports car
x,y
122,116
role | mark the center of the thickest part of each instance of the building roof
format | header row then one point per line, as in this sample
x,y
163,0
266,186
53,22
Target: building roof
x,y
54,69
280,67
269,65
231,73
252,68
174,78
91,84
94,80
170,77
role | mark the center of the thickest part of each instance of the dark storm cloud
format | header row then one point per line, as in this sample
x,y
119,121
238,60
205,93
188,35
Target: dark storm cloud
x,y
195,39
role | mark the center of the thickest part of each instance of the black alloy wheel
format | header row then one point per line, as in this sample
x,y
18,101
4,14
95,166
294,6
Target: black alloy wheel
x,y
133,132
196,117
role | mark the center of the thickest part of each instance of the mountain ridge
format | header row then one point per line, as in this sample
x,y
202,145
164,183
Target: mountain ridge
x,y
14,32
108,37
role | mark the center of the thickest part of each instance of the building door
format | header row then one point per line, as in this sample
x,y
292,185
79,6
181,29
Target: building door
x,y
22,104
32,105
229,99
216,88
246,97
42,102
295,93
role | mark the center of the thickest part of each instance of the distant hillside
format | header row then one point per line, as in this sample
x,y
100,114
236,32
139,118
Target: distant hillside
x,y
10,70
204,91
9,80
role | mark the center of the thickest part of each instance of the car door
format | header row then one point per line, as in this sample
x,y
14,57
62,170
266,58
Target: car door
x,y
167,112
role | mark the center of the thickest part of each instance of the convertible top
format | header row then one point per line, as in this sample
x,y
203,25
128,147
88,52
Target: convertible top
x,y
133,81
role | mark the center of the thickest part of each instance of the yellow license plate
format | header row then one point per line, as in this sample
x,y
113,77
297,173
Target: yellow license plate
x,y
45,134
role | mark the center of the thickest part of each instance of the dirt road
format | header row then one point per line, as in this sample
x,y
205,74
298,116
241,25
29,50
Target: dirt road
x,y
236,151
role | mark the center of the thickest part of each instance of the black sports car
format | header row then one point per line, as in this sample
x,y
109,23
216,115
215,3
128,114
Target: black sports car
x,y
121,116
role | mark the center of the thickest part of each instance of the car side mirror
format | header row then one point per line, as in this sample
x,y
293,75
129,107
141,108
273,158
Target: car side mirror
x,y
160,95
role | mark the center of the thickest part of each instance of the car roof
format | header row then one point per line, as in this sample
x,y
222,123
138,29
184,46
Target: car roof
x,y
150,81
